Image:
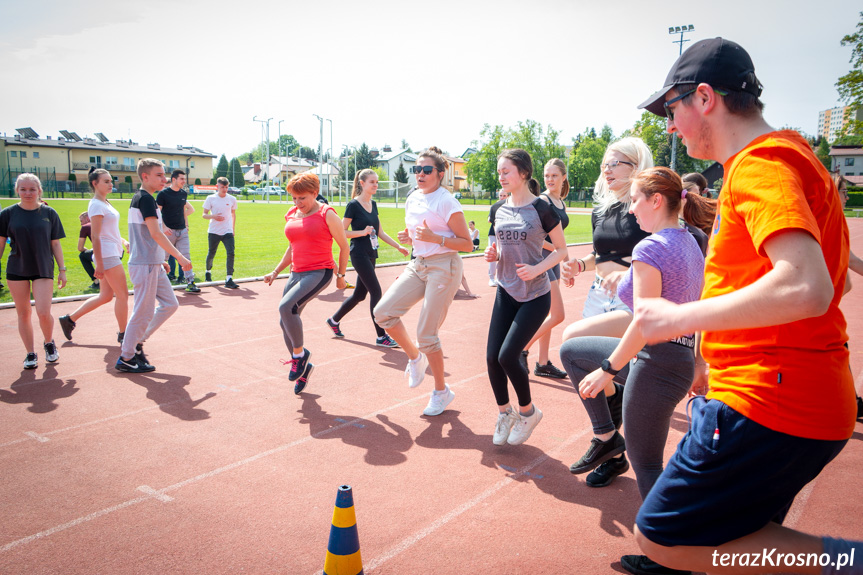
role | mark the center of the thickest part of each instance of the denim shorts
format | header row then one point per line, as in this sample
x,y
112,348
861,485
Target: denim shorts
x,y
599,301
729,477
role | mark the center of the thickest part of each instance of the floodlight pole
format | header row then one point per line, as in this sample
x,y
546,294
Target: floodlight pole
x,y
320,154
329,155
678,30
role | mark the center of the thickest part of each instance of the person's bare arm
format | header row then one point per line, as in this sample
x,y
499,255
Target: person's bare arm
x,y
798,287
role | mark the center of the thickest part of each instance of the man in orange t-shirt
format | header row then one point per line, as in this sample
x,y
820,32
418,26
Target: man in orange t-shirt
x,y
781,401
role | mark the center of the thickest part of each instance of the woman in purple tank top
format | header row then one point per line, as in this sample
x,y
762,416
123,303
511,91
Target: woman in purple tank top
x,y
666,264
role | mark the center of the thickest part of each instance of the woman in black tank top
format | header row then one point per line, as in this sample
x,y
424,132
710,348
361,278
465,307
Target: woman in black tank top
x,y
557,189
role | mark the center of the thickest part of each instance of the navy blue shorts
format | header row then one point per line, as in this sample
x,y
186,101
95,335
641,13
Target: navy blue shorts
x,y
728,478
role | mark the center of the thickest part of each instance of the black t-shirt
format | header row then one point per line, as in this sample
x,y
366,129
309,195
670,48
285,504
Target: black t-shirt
x,y
322,199
173,204
561,213
31,232
615,234
360,219
86,232
699,236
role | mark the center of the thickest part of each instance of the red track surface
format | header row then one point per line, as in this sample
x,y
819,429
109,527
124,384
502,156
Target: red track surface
x,y
212,465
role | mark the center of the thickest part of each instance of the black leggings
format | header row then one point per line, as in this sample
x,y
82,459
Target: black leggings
x,y
367,283
512,325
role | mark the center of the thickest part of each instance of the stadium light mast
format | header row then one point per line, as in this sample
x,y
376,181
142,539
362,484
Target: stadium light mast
x,y
678,30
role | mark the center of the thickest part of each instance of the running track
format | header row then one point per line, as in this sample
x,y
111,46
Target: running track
x,y
212,465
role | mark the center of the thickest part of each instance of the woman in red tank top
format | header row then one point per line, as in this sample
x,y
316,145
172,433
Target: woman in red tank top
x,y
310,228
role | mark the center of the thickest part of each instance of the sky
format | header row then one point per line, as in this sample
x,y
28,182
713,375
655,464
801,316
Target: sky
x,y
196,73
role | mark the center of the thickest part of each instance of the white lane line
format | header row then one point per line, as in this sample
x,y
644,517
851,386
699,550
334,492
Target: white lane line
x,y
415,538
157,493
36,436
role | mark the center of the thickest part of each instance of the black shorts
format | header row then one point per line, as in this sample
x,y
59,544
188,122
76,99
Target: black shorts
x,y
729,477
17,278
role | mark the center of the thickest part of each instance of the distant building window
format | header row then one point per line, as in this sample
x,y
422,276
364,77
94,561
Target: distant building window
x,y
13,154
36,155
110,160
192,164
173,164
848,161
23,154
129,162
96,160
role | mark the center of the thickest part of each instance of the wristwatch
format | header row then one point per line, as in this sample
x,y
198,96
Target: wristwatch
x,y
606,367
338,275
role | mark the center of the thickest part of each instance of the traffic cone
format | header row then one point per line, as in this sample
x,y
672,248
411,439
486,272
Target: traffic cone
x,y
343,549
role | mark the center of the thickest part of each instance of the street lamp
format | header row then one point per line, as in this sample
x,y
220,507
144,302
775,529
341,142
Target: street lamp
x,y
279,147
329,155
678,30
267,150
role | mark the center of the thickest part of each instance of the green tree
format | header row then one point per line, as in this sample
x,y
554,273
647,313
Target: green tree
x,y
823,153
364,157
653,130
583,166
222,167
481,167
235,174
382,173
850,86
401,174
197,181
287,145
307,153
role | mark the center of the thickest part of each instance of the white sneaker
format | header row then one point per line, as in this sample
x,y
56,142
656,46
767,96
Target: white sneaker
x,y
416,370
438,401
505,421
492,283
524,427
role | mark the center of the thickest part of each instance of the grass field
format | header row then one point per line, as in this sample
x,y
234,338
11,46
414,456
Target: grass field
x,y
260,238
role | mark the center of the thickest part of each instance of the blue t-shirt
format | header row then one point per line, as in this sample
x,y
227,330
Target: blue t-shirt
x,y
675,253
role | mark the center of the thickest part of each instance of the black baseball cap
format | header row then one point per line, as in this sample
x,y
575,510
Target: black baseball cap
x,y
719,62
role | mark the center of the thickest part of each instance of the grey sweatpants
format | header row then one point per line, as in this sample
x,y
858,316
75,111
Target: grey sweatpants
x,y
655,382
150,284
300,289
180,240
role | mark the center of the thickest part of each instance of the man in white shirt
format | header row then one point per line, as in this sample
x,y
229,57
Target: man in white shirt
x,y
221,209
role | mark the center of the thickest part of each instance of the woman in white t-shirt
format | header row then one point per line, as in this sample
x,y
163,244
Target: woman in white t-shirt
x,y
108,248
435,226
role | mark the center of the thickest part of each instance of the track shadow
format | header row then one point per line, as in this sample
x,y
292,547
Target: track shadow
x,y
169,393
336,296
241,292
42,394
193,300
385,443
618,503
112,351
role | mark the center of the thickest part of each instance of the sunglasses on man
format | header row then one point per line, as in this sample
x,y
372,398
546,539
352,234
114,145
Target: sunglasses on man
x,y
422,169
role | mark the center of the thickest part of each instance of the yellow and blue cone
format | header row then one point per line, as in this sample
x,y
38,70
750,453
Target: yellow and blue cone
x,y
343,549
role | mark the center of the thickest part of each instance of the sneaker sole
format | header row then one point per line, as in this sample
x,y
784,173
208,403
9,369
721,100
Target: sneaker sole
x,y
67,333
31,366
396,346
304,380
549,375
594,464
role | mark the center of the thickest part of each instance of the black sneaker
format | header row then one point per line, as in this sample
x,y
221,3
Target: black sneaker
x,y
859,407
67,325
523,359
120,336
172,278
334,325
141,358
192,288
606,472
51,355
615,405
208,276
230,284
298,365
304,379
548,370
132,365
31,361
643,565
599,452
93,287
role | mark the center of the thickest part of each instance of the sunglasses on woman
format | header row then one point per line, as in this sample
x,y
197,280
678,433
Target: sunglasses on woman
x,y
422,169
